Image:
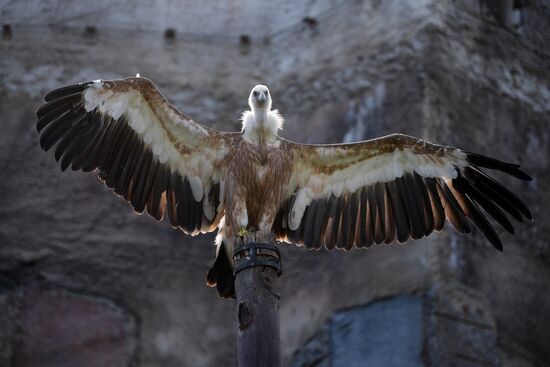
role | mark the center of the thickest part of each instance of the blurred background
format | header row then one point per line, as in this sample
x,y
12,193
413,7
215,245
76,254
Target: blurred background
x,y
86,282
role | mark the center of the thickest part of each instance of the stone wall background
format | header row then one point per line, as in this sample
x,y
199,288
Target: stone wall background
x,y
84,281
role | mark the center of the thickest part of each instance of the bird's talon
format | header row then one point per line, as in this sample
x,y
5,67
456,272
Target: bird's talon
x,y
242,232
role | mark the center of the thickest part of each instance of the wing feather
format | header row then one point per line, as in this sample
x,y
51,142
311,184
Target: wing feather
x,y
355,201
320,223
332,225
345,223
435,202
370,220
389,216
402,224
309,225
422,195
363,223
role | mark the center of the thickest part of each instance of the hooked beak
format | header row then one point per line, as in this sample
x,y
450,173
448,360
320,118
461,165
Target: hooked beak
x,y
262,97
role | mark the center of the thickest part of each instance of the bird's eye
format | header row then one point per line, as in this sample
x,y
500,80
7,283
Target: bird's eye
x,y
255,93
266,92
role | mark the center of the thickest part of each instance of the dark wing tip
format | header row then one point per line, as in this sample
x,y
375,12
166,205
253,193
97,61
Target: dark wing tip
x,y
65,91
525,177
495,164
520,174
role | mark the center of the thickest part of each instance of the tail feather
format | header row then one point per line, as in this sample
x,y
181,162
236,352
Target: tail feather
x,y
221,273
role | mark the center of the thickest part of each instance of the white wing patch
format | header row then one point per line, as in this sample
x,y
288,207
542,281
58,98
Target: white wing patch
x,y
380,168
145,122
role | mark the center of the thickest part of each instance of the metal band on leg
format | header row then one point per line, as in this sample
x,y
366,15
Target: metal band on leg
x,y
257,254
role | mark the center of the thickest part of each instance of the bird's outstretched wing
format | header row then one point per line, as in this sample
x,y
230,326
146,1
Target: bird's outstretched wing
x,y
142,147
394,187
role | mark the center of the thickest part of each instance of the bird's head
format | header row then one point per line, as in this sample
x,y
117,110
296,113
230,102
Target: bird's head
x,y
259,98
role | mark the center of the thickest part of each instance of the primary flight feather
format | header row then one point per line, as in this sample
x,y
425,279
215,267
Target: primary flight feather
x,y
338,196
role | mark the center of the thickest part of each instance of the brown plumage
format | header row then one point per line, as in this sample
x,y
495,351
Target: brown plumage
x,y
338,196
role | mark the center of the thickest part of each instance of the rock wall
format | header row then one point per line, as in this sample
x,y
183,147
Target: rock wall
x,y
462,73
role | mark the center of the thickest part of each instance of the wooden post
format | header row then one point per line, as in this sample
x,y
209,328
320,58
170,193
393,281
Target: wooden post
x,y
257,298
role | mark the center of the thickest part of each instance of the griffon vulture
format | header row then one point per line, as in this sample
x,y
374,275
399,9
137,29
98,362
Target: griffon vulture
x,y
384,190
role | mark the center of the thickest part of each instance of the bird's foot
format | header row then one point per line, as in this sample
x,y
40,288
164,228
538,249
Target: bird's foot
x,y
242,232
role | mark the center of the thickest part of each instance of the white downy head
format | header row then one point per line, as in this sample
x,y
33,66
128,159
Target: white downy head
x,y
259,99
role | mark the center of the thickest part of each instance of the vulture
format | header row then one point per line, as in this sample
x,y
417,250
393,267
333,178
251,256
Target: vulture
x,y
384,190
